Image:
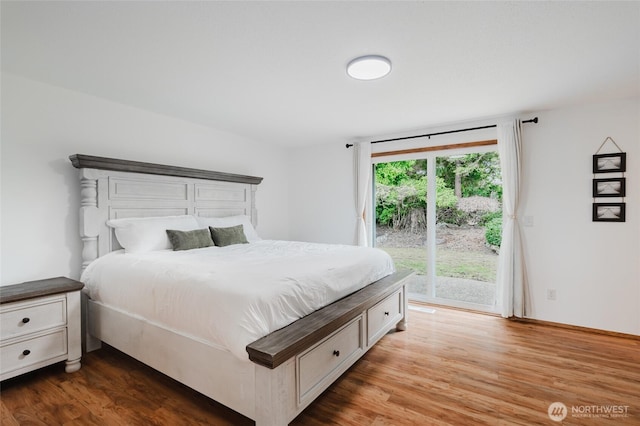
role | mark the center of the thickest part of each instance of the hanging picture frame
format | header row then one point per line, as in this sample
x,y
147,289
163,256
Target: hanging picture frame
x,y
609,187
610,163
609,212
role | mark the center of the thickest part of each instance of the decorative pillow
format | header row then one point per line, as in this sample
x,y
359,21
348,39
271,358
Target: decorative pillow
x,y
187,240
143,234
228,236
228,221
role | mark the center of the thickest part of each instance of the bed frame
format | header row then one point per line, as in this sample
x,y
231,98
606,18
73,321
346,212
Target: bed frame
x,y
288,368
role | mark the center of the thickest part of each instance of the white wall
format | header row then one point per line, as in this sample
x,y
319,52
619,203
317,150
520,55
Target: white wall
x,y
42,125
321,194
594,267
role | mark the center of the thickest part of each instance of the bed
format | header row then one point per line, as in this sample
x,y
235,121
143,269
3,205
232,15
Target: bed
x,y
268,373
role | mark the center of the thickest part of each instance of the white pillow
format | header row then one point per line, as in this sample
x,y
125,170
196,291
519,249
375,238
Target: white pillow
x,y
142,234
228,221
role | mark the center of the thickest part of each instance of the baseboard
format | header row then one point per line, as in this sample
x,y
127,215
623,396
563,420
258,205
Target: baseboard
x,y
535,321
576,328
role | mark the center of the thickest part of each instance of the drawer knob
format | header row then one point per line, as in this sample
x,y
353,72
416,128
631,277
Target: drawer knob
x,y
25,320
336,353
26,352
386,313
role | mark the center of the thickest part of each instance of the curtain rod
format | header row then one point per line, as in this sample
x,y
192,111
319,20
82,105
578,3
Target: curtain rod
x,y
428,135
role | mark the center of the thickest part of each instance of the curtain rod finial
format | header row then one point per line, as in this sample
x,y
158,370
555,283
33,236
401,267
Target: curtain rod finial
x,y
349,145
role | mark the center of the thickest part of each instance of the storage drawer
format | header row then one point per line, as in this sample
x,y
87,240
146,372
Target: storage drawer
x,y
35,350
382,316
322,364
21,318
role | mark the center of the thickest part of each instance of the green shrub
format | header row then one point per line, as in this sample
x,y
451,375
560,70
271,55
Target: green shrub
x,y
487,217
493,231
394,203
451,215
401,190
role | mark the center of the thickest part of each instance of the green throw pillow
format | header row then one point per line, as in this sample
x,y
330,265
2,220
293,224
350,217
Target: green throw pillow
x,y
187,240
227,236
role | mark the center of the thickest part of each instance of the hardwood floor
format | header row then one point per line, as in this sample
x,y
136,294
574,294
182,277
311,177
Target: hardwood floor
x,y
449,368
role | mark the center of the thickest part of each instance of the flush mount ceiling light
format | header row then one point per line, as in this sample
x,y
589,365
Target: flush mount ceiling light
x,y
369,67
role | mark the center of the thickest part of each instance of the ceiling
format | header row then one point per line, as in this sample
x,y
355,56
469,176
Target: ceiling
x,y
275,71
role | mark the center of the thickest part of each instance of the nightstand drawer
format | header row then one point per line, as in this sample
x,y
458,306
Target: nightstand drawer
x,y
37,349
40,325
324,362
21,318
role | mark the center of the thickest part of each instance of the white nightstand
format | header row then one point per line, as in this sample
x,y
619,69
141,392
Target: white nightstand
x,y
40,325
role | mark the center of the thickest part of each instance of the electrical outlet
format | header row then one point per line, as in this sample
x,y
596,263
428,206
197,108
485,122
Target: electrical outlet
x,y
551,294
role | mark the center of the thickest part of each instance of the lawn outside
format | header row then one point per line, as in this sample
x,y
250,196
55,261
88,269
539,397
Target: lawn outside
x,y
465,266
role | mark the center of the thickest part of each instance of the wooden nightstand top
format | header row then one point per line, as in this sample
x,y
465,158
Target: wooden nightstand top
x,y
38,288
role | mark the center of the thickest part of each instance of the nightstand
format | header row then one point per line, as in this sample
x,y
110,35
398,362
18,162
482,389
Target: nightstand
x,y
40,325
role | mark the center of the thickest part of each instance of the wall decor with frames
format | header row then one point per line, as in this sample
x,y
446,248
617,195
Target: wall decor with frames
x,y
609,183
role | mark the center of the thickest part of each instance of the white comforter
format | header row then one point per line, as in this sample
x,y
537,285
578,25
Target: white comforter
x,y
231,296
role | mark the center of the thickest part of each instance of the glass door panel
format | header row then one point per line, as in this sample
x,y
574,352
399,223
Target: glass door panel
x,y
441,217
468,199
401,221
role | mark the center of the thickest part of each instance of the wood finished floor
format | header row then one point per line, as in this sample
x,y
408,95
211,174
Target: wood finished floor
x,y
449,368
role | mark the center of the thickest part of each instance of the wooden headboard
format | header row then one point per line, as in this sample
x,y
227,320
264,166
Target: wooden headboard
x,y
112,188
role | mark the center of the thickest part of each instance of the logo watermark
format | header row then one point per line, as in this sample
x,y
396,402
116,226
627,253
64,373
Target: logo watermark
x,y
557,411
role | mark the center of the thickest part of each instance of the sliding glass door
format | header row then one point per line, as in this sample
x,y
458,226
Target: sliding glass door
x,y
440,215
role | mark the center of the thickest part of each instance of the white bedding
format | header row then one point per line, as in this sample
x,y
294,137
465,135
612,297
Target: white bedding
x,y
231,296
